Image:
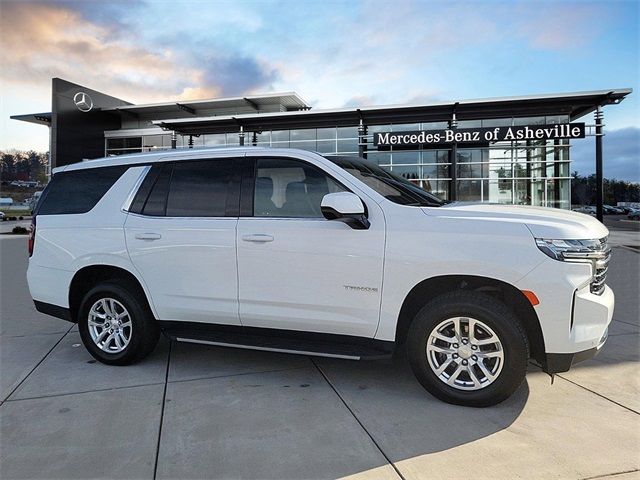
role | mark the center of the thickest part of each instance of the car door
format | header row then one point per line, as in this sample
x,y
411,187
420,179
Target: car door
x,y
299,271
181,237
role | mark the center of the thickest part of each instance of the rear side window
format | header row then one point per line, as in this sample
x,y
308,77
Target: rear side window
x,y
208,188
200,189
156,203
77,191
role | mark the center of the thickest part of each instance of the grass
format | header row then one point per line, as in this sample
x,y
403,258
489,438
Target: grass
x,y
16,213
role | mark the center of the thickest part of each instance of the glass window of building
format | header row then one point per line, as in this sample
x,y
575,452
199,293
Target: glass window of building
x,y
405,127
497,122
123,145
215,140
304,134
347,146
469,123
280,136
347,132
327,133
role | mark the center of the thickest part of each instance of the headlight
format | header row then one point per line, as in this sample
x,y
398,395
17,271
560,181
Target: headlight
x,y
594,251
574,250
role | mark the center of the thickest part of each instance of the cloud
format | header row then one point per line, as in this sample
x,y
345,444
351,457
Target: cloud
x,y
237,75
560,26
359,101
108,13
40,40
621,154
363,52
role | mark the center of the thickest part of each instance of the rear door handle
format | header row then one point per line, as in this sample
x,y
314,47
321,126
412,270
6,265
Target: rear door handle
x,y
148,236
258,238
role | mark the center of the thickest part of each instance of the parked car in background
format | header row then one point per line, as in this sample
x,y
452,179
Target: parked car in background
x,y
628,209
634,214
2,216
286,250
589,210
33,201
612,210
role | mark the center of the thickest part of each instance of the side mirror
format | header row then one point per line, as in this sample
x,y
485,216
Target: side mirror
x,y
345,207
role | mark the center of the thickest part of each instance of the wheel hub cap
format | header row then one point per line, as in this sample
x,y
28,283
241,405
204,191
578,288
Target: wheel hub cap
x,y
465,353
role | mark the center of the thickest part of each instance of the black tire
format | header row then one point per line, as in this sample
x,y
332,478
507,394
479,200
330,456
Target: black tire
x,y
144,330
495,315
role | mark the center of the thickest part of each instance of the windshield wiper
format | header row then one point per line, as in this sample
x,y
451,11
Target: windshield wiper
x,y
405,190
422,204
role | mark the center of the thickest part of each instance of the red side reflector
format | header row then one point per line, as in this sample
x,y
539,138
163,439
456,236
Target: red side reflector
x,y
32,235
531,297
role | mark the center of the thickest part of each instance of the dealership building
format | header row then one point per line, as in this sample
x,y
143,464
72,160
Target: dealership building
x,y
514,150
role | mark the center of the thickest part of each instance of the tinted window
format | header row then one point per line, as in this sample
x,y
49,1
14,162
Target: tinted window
x,y
290,188
390,186
139,200
200,189
156,202
77,191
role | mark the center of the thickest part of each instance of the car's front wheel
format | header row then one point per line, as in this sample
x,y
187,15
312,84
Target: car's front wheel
x,y
468,348
116,325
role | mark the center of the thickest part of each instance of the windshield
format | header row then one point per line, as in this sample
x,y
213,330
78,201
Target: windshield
x,y
390,186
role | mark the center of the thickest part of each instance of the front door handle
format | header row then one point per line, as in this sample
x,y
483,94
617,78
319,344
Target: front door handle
x,y
258,238
148,236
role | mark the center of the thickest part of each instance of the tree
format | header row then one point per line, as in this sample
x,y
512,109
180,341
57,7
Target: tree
x,y
21,165
584,189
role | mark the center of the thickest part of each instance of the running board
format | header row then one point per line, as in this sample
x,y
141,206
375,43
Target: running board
x,y
268,349
282,341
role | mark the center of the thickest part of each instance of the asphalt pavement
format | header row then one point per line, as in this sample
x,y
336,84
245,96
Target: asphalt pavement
x,y
192,411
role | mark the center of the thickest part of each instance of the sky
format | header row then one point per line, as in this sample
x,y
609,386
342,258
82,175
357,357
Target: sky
x,y
333,53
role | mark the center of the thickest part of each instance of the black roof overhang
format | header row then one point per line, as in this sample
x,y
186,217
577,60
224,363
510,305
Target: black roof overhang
x,y
575,106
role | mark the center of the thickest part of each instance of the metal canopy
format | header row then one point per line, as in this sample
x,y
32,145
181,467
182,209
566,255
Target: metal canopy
x,y
575,105
189,108
39,118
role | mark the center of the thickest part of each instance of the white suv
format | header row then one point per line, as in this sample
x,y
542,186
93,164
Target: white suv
x,y
286,250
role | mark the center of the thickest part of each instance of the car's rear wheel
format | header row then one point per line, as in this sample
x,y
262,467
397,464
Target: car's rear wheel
x,y
116,326
468,348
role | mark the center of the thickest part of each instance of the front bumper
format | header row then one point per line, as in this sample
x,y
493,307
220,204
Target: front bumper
x,y
562,362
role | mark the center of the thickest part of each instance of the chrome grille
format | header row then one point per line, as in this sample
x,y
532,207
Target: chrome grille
x,y
601,266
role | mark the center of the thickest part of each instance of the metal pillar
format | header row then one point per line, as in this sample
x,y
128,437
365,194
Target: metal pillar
x,y
241,136
599,170
528,174
190,141
362,132
254,139
453,160
556,173
174,139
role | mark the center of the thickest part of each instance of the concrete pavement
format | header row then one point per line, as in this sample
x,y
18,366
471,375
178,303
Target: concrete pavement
x,y
193,411
7,226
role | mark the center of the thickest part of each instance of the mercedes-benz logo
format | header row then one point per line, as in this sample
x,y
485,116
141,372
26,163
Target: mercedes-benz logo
x,y
83,101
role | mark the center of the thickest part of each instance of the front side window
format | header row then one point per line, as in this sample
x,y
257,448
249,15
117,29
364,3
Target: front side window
x,y
390,186
291,189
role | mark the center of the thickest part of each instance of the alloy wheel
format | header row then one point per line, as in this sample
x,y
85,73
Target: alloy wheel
x,y
109,325
465,353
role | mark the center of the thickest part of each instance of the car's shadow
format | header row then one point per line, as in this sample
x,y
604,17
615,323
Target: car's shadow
x,y
403,418
297,405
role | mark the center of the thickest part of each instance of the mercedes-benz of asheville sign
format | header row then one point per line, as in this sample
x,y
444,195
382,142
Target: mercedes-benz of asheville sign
x,y
479,135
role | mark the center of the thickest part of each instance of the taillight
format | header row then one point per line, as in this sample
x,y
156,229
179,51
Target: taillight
x,y
32,235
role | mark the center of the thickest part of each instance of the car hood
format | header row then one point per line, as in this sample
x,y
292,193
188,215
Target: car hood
x,y
543,222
